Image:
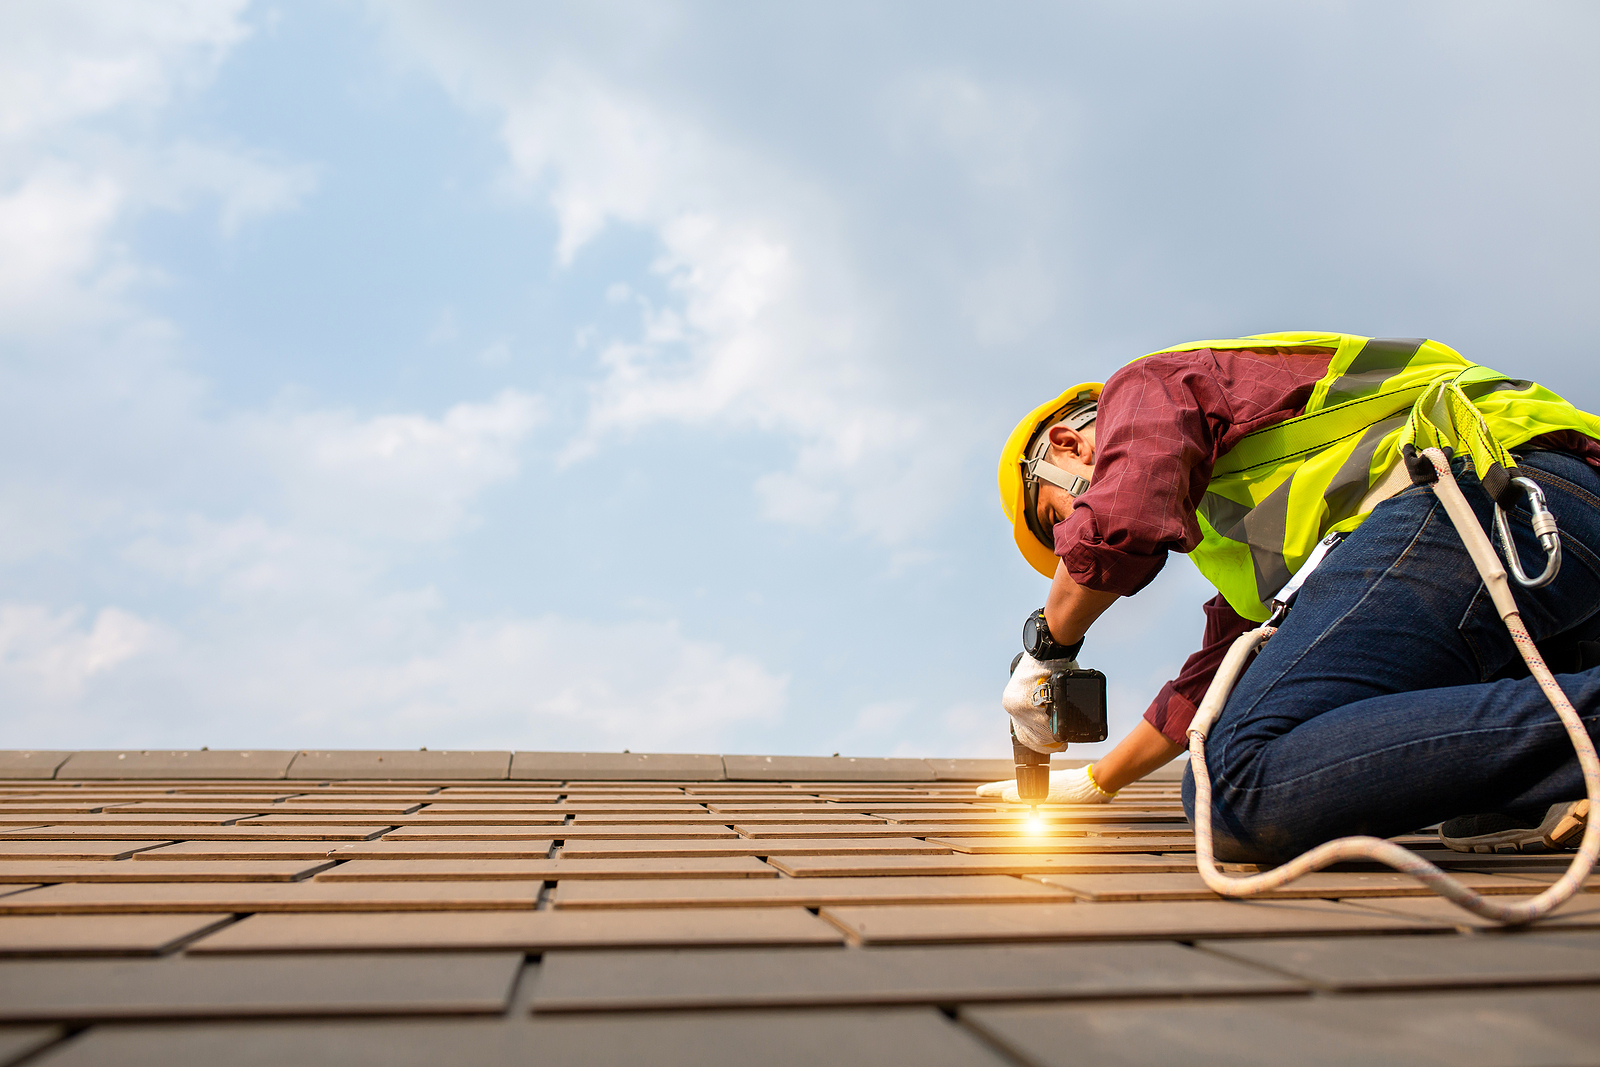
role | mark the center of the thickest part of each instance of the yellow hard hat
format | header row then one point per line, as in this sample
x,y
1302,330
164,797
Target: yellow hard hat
x,y
1018,491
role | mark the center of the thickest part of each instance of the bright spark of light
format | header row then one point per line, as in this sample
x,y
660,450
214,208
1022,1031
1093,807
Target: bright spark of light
x,y
1036,824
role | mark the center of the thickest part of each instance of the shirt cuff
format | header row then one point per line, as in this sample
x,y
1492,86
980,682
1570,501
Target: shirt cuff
x,y
1098,566
1095,564
1171,713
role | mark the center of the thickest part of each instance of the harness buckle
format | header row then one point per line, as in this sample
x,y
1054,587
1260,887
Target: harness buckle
x,y
1544,528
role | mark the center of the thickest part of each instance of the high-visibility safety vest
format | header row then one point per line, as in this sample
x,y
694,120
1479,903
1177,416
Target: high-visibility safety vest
x,y
1283,488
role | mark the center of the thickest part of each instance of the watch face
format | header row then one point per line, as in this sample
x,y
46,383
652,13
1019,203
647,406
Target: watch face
x,y
1032,639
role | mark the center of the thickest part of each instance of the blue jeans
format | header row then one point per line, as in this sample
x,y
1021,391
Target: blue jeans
x,y
1392,697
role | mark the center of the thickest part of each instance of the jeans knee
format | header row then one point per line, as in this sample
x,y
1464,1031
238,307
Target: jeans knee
x,y
1239,832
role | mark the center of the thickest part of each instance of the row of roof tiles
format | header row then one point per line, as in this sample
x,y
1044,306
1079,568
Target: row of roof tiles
x,y
308,764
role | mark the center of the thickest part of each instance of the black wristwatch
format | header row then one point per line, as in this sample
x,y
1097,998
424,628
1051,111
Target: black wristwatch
x,y
1037,642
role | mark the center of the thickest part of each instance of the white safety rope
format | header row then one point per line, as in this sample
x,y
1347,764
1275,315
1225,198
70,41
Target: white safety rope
x,y
1374,848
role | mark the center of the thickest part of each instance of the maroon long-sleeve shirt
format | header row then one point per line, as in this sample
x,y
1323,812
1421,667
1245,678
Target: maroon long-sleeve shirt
x,y
1163,423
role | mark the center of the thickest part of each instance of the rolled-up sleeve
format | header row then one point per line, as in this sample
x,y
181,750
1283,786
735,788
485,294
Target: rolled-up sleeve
x,y
1173,708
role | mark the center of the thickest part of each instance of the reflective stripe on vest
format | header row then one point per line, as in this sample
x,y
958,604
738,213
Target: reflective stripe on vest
x,y
1282,489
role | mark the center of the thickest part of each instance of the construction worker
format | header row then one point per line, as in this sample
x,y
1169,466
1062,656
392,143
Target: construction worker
x,y
1391,696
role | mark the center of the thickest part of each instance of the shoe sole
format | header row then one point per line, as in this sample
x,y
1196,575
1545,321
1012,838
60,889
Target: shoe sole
x,y
1567,832
1509,841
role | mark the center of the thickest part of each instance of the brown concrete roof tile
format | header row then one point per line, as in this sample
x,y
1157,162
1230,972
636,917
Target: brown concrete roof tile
x,y
31,764
115,818
1326,885
92,898
521,832
962,864
615,766
1071,845
899,924
391,847
828,846
1367,963
73,850
142,831
171,765
826,769
19,1042
798,831
399,764
848,1038
1379,1030
809,892
700,978
1582,911
531,931
418,818
248,870
476,869
196,987
101,935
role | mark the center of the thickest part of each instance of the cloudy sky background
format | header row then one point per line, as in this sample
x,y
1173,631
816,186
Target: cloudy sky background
x,y
602,376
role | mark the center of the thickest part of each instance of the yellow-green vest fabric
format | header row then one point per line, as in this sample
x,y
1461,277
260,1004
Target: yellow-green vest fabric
x,y
1282,489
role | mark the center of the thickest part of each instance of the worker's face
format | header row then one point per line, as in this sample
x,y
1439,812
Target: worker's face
x,y
1072,451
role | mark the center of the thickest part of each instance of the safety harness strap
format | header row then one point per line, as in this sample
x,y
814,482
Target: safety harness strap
x,y
1445,418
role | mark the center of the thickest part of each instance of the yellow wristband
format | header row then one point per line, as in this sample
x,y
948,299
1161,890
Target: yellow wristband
x,y
1089,771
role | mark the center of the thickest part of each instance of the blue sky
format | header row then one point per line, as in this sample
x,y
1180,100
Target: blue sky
x,y
604,376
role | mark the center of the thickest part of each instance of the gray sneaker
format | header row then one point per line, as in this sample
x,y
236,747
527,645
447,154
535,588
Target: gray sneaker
x,y
1562,827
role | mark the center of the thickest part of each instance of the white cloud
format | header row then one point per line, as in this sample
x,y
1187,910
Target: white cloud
x,y
336,502
63,61
1006,145
243,558
52,244
298,632
403,477
82,87
769,325
47,656
59,260
554,683
376,670
608,157
244,186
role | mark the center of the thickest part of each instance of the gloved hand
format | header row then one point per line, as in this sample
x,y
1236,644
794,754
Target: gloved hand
x,y
1031,723
1076,786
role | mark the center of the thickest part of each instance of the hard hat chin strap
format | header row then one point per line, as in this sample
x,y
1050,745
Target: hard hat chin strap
x,y
1074,484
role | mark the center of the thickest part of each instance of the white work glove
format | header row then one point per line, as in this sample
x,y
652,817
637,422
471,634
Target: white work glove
x,y
1031,723
1076,786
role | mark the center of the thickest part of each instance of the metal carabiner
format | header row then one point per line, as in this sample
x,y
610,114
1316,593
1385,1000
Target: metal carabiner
x,y
1544,528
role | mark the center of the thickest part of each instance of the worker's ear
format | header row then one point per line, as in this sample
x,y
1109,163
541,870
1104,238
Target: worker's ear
x,y
1071,441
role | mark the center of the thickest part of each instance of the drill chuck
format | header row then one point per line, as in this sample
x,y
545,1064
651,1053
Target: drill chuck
x,y
1033,772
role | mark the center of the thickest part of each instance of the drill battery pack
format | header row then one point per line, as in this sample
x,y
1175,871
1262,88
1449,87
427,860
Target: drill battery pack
x,y
1077,702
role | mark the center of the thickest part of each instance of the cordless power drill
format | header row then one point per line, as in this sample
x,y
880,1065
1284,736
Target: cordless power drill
x,y
1073,700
